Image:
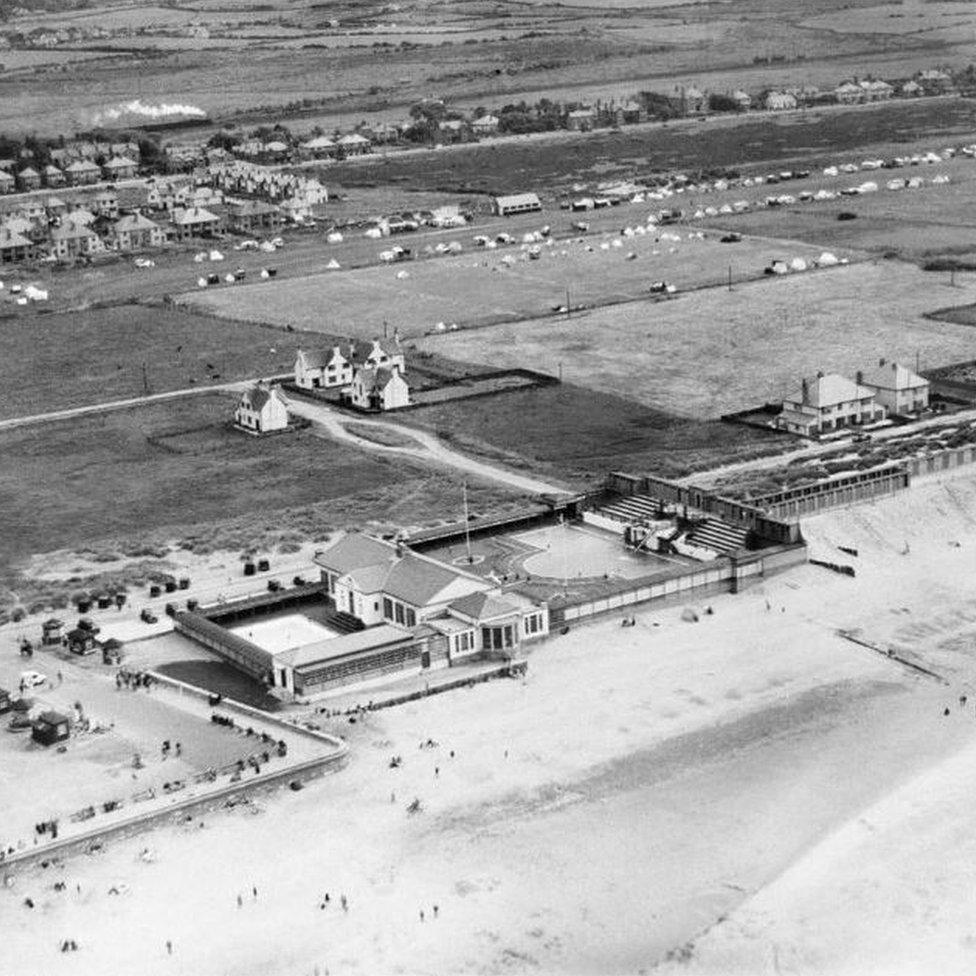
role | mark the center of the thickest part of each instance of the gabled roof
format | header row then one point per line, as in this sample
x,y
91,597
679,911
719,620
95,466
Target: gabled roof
x,y
194,215
331,648
317,358
82,166
258,396
120,162
376,378
10,238
354,139
28,171
826,391
417,581
5,177
70,230
482,606
52,170
892,376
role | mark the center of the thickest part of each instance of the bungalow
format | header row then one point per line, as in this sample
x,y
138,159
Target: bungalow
x,y
82,172
779,101
322,369
7,182
485,125
193,222
14,247
73,239
742,99
320,147
693,101
377,389
53,176
849,93
28,179
911,89
896,387
876,90
261,410
827,403
254,216
119,168
516,203
354,145
134,232
581,119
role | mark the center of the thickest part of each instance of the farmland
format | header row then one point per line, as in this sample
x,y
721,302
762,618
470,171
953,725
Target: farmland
x,y
71,359
481,288
177,471
712,352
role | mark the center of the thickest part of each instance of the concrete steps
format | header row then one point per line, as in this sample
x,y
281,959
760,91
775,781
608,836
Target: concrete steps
x,y
719,536
633,508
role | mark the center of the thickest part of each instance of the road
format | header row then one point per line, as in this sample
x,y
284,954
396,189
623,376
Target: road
x,y
426,446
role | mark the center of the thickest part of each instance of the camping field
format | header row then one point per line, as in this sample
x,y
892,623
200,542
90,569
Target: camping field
x,y
711,352
482,287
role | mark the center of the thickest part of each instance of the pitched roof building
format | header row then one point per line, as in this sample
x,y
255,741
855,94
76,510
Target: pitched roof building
x,y
896,387
827,403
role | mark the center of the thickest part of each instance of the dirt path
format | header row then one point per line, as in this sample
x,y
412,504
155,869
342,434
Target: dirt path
x,y
428,447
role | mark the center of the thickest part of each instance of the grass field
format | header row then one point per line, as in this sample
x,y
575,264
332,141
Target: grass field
x,y
71,359
580,434
712,352
178,471
479,287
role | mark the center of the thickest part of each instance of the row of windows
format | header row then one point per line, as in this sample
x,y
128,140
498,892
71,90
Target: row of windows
x,y
464,642
533,623
396,612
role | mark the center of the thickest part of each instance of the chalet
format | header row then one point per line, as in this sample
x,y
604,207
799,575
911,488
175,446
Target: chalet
x,y
516,203
193,222
28,179
322,370
254,216
14,247
73,239
379,388
896,387
53,176
485,125
779,101
119,168
354,145
261,410
82,172
134,232
828,403
50,727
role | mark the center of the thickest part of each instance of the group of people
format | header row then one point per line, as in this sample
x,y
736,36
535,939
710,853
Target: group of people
x,y
327,901
47,827
133,679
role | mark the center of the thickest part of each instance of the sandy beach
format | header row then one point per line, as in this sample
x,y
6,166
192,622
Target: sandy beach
x,y
690,796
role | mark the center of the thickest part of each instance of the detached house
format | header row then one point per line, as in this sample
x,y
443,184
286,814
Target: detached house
x,y
828,403
779,101
261,410
377,389
74,239
354,144
135,232
381,352
82,172
53,176
322,370
194,222
28,179
14,246
254,216
7,183
485,125
896,388
119,168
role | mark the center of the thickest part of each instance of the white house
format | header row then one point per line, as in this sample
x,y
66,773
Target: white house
x,y
779,101
380,352
261,409
380,388
827,403
322,369
896,387
517,203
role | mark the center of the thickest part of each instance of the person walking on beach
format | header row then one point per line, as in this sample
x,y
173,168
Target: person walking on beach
x,y
240,901
169,947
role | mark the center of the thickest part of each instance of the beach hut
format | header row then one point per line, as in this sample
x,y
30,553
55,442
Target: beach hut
x,y
50,727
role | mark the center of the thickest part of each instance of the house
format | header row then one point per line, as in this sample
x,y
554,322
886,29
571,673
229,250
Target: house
x,y
28,179
581,119
485,125
629,113
896,388
828,403
779,101
74,239
377,389
742,99
53,176
320,147
911,89
380,352
935,81
693,101
7,182
516,203
354,145
50,727
261,409
322,370
105,203
82,172
193,222
254,216
14,246
849,93
134,232
119,168
55,207
876,90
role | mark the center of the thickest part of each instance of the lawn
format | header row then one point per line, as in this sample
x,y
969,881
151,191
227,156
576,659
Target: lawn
x,y
479,287
580,435
713,352
178,471
55,361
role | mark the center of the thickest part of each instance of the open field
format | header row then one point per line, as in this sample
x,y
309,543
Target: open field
x,y
177,470
712,352
580,434
666,774
483,287
71,359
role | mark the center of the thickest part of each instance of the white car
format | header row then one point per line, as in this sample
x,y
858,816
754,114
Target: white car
x,y
33,679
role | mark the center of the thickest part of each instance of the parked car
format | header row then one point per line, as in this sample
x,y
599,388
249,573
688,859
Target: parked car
x,y
273,586
148,617
20,723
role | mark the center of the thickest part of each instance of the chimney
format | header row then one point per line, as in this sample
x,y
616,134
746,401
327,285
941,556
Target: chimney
x,y
805,387
859,376
399,547
881,361
819,374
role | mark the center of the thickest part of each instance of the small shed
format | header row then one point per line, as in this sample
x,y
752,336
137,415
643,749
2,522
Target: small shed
x,y
51,631
50,727
112,651
81,641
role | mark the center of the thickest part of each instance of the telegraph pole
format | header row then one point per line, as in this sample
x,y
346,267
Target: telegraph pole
x,y
467,522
